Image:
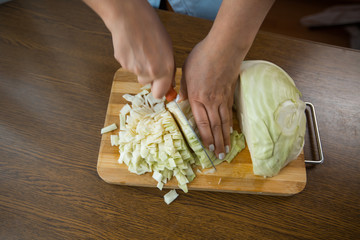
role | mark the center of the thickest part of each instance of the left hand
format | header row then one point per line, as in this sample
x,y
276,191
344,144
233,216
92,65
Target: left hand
x,y
209,78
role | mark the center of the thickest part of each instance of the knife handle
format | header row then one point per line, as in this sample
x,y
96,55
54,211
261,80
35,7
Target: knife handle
x,y
171,94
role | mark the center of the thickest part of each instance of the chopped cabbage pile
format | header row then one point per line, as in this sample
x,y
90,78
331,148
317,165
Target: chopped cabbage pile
x,y
150,140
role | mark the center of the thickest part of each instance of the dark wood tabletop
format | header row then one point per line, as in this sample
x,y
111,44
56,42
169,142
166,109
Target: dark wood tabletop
x,y
56,71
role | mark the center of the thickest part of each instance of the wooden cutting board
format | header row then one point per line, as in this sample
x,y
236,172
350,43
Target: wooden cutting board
x,y
236,176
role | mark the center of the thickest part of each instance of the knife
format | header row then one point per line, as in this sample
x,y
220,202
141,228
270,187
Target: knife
x,y
171,96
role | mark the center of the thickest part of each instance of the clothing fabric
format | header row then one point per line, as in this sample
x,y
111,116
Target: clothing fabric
x,y
197,8
154,3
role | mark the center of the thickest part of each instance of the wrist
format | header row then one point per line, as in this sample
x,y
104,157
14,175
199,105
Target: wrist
x,y
226,49
232,41
237,24
114,11
236,37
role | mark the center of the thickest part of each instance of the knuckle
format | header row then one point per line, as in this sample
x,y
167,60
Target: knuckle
x,y
138,69
152,71
216,127
142,81
159,71
225,120
202,124
213,97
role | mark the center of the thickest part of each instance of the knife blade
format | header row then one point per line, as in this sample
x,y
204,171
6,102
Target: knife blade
x,y
171,96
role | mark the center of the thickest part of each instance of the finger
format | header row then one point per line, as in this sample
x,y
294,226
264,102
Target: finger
x,y
203,125
183,88
216,129
159,87
225,125
173,81
144,80
231,104
230,109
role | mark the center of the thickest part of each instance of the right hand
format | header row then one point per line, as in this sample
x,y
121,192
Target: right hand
x,y
142,45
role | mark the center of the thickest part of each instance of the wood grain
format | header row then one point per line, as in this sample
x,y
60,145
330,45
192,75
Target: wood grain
x,y
236,177
285,17
56,72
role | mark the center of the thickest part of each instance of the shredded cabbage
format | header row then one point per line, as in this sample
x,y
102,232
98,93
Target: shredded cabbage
x,y
170,196
114,139
109,128
271,116
150,140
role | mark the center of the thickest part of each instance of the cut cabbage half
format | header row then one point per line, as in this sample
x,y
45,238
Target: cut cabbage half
x,y
271,115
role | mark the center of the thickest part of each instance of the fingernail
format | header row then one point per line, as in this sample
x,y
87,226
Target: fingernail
x,y
231,130
211,147
177,98
221,156
227,149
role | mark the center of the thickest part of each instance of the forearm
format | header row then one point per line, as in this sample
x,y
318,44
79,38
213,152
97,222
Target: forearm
x,y
238,22
113,10
141,43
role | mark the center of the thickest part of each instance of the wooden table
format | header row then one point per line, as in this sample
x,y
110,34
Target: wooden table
x,y
56,70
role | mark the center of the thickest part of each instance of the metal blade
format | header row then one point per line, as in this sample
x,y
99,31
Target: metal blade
x,y
197,138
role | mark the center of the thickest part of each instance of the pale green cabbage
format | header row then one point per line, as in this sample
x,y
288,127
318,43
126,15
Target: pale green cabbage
x,y
271,116
170,196
237,139
109,128
150,140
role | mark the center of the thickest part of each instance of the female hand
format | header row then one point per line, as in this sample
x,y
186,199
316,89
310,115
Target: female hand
x,y
209,78
212,68
141,43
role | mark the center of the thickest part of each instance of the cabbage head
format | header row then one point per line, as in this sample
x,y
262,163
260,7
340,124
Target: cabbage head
x,y
271,116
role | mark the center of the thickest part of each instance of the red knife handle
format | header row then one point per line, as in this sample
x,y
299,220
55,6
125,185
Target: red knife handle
x,y
171,94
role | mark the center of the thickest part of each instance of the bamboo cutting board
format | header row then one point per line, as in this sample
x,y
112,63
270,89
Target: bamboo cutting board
x,y
236,176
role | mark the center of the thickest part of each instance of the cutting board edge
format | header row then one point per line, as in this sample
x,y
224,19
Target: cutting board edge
x,y
300,186
208,189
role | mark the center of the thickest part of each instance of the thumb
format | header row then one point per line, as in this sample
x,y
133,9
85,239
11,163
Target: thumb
x,y
160,86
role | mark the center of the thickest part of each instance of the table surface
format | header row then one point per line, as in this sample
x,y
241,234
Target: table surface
x,y
56,71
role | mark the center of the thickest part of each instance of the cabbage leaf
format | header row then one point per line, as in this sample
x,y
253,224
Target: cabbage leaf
x,y
271,115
